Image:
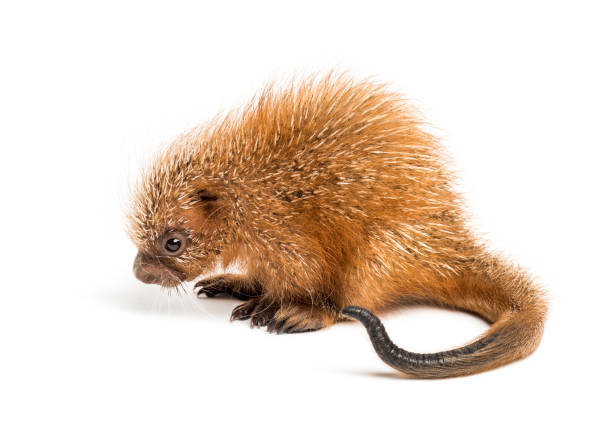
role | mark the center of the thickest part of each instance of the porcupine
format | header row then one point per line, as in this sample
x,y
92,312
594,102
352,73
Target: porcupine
x,y
337,204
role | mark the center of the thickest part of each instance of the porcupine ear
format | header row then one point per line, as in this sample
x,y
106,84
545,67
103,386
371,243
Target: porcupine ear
x,y
207,196
210,200
209,204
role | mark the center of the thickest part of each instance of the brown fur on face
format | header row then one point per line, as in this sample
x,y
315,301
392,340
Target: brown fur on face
x,y
192,214
329,194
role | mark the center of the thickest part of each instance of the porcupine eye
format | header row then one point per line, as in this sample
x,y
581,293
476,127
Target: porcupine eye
x,y
173,245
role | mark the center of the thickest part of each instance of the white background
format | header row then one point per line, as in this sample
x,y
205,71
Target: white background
x,y
519,94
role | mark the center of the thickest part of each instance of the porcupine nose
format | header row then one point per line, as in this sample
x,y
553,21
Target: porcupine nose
x,y
143,271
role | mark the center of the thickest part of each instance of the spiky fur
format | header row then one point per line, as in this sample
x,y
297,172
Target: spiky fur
x,y
330,195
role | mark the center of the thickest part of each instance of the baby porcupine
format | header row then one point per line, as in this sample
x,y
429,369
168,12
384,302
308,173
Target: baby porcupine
x,y
334,200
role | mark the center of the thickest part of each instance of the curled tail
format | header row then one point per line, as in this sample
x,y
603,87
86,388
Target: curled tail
x,y
516,309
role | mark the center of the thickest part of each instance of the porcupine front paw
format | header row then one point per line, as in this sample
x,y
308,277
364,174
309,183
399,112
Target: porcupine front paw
x,y
231,285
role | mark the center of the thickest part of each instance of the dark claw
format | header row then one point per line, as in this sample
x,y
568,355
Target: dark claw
x,y
210,287
208,294
244,311
274,325
240,315
262,316
258,321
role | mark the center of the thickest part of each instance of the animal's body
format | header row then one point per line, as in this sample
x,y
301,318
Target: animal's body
x,y
329,194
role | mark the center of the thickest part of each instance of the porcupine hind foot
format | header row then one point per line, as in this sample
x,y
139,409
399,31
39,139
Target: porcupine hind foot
x,y
258,310
290,318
